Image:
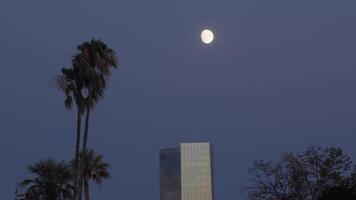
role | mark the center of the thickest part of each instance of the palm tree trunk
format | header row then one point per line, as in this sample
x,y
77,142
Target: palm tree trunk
x,y
86,189
84,148
77,148
80,186
80,193
85,140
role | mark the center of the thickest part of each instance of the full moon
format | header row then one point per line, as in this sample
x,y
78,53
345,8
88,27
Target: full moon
x,y
207,36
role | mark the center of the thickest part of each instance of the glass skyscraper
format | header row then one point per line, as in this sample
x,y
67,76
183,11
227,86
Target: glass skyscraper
x,y
186,172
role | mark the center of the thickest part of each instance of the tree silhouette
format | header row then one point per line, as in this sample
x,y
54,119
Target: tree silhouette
x,y
71,83
50,180
342,191
85,82
299,177
92,168
95,61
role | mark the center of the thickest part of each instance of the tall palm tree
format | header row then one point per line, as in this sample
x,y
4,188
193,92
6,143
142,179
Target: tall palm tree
x,y
92,168
71,83
51,180
85,82
95,60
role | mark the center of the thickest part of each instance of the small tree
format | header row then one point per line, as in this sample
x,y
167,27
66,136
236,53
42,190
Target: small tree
x,y
92,168
50,180
299,176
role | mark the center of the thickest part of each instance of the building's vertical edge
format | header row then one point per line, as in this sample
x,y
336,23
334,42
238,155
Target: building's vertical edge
x,y
212,168
180,174
160,175
181,171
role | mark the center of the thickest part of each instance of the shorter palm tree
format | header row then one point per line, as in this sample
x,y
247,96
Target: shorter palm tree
x,y
92,168
51,180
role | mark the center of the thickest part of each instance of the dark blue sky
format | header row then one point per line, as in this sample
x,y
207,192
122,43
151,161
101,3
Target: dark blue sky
x,y
280,76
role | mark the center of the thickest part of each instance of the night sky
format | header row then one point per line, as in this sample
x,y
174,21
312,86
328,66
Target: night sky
x,y
279,76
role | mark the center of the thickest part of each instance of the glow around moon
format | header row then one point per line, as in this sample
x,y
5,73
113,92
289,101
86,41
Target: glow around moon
x,y
207,36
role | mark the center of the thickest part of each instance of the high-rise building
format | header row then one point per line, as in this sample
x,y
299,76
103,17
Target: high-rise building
x,y
186,172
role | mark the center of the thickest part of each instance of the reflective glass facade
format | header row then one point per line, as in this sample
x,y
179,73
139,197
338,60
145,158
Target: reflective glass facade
x,y
194,168
170,184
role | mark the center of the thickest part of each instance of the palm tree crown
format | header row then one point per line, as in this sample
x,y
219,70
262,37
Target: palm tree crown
x,y
51,180
92,167
93,62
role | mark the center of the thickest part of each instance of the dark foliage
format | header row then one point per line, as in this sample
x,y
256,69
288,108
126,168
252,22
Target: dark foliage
x,y
299,177
344,191
92,168
50,180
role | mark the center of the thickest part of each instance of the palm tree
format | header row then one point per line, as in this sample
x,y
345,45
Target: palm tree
x,y
85,82
71,83
94,60
51,180
92,168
